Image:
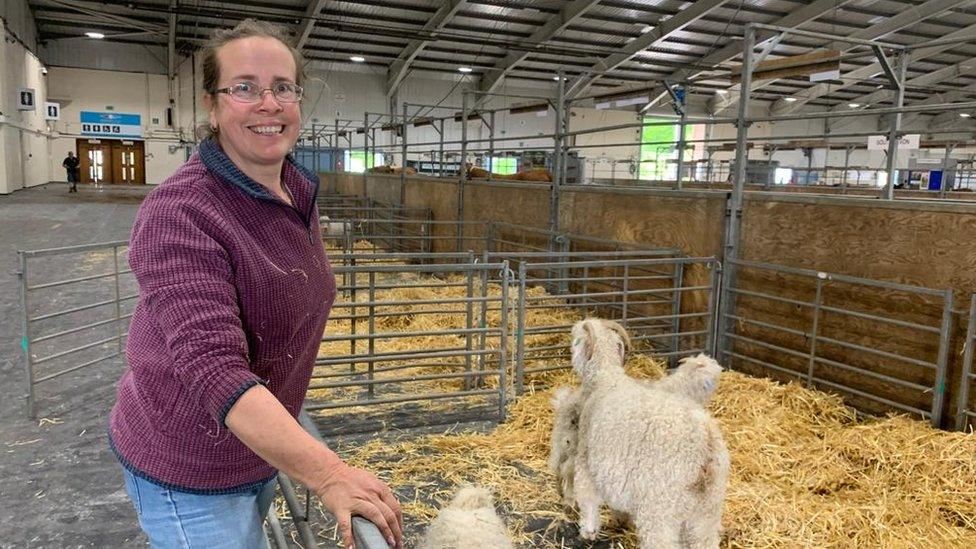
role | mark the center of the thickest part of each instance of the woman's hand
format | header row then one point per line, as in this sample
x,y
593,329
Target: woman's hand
x,y
348,491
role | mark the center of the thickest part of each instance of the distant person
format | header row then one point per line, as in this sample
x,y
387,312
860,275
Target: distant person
x,y
71,165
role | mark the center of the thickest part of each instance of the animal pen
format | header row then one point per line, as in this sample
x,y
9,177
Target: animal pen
x,y
444,318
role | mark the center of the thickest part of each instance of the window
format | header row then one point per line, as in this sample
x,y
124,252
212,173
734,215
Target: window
x,y
354,161
503,165
659,149
783,176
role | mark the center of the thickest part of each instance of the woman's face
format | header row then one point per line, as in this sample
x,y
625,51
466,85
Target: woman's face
x,y
262,133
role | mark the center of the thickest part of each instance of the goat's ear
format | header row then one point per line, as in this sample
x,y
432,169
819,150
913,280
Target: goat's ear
x,y
588,341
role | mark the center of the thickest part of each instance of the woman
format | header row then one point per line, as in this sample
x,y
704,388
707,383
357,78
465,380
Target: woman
x,y
234,293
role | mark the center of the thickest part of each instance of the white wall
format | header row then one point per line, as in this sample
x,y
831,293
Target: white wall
x,y
23,134
89,53
125,92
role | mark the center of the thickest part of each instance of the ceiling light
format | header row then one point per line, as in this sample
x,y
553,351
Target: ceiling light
x,y
853,105
94,35
465,70
721,92
964,115
357,59
646,29
789,99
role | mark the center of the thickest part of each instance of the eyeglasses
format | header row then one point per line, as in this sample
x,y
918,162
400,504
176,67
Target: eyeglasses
x,y
249,92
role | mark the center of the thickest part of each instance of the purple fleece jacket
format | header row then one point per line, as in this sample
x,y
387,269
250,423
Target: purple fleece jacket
x,y
234,290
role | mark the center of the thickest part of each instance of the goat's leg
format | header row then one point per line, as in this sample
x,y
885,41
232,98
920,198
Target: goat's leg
x,y
658,531
588,500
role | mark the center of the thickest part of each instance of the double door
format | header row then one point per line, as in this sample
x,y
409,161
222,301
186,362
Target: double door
x,y
112,161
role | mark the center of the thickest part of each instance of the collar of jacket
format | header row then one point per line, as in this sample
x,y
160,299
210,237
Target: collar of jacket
x,y
217,161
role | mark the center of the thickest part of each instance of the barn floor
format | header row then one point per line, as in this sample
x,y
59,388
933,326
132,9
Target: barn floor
x,y
60,486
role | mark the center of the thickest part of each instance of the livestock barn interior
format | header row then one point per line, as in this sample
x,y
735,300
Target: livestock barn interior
x,y
784,185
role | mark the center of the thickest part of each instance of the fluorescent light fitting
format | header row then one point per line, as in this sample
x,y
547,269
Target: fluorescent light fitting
x,y
789,99
964,115
465,70
721,92
357,59
853,105
94,35
646,29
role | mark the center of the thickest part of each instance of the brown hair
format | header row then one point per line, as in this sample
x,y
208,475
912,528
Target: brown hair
x,y
245,29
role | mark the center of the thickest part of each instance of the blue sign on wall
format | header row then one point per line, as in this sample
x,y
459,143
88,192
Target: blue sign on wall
x,y
111,124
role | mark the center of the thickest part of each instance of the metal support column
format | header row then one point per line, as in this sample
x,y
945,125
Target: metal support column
x,y
365,148
557,159
403,161
847,162
943,185
895,125
463,172
734,213
491,144
440,150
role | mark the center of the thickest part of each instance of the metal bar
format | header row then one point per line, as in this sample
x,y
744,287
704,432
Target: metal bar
x,y
448,301
74,350
769,326
73,368
841,278
403,355
895,125
938,398
817,302
506,280
372,329
875,375
25,338
277,535
962,405
71,281
118,298
410,379
75,330
463,169
520,333
676,304
72,249
878,352
398,400
395,335
469,317
299,519
71,311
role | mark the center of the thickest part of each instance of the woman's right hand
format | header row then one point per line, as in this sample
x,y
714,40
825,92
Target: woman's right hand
x,y
348,491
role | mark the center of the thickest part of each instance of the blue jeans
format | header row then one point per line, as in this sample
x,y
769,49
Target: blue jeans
x,y
179,520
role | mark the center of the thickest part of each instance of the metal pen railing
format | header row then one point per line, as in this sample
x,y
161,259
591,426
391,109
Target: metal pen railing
x,y
783,329
72,320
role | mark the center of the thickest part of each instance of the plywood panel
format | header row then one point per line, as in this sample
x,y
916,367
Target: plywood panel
x,y
693,223
925,245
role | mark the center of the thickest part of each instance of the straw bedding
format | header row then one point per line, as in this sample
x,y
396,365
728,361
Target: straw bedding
x,y
806,470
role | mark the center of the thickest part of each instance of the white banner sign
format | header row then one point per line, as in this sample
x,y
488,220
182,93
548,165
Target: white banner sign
x,y
905,142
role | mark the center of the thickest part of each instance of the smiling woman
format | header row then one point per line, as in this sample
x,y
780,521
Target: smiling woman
x,y
234,293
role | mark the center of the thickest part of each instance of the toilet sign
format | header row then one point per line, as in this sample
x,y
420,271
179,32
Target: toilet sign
x,y
905,142
25,99
52,111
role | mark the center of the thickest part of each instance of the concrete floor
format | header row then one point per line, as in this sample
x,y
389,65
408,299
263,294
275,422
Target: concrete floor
x,y
60,486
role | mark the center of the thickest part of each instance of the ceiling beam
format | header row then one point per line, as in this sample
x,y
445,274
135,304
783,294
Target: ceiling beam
x,y
950,96
650,39
399,68
733,48
910,16
304,30
570,13
101,11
